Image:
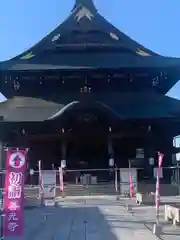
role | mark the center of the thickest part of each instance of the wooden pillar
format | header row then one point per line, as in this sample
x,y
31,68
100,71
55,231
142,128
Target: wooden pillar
x,y
63,152
150,152
110,150
110,147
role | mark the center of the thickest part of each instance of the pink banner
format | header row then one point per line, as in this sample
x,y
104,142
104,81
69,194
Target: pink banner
x,y
16,163
160,159
130,186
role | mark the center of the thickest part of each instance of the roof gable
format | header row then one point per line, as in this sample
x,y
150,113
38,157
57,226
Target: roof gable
x,y
87,40
85,26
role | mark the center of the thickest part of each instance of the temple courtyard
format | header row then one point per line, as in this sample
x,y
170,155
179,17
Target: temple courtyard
x,y
95,219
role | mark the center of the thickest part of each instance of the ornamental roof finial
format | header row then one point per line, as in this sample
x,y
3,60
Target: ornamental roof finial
x,y
86,3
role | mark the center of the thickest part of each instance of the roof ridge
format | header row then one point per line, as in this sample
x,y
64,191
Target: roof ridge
x,y
84,3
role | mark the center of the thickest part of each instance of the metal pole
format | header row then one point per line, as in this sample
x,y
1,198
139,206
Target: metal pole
x,y
178,178
116,182
157,199
160,159
157,195
130,181
2,177
2,207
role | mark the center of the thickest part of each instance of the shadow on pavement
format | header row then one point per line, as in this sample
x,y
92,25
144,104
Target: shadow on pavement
x,y
70,222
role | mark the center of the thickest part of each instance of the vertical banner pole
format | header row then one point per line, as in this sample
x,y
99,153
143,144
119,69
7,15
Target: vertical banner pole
x,y
1,186
160,159
116,182
2,205
115,179
16,164
41,187
61,182
2,196
129,207
178,178
130,182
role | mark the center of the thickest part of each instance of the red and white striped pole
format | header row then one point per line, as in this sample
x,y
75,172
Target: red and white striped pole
x,y
130,182
61,182
130,186
41,187
129,207
160,160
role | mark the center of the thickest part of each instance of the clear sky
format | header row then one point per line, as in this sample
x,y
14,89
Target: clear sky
x,y
154,23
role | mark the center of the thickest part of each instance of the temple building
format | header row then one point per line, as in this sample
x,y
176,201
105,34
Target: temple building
x,y
87,93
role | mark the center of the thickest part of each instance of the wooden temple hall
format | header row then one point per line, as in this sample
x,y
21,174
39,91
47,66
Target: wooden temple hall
x,y
87,93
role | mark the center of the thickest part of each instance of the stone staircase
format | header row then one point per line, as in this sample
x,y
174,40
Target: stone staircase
x,y
30,192
76,190
89,190
165,189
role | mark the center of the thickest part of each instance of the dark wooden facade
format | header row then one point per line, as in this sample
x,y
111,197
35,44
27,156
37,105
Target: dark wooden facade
x,y
87,92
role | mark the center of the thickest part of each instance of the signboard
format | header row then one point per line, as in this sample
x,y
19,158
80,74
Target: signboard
x,y
178,157
49,183
139,153
16,162
176,141
124,180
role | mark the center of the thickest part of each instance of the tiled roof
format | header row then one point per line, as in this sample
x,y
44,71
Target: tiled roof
x,y
126,106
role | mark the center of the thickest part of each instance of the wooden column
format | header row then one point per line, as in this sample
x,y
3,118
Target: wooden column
x,y
110,149
64,150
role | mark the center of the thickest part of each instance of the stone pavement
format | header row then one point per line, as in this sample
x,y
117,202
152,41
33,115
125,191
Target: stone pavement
x,y
84,219
146,215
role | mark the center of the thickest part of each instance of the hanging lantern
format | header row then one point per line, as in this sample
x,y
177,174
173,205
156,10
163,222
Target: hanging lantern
x,y
111,162
63,163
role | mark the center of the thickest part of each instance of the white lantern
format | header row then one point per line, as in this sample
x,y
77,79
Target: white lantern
x,y
63,163
31,171
111,162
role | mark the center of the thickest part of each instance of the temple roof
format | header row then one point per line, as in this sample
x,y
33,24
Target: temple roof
x,y
86,40
124,106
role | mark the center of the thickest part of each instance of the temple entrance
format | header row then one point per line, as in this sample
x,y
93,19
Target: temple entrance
x,y
80,136
87,152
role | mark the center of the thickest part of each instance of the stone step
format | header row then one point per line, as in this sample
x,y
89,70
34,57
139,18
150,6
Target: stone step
x,y
165,189
76,190
79,190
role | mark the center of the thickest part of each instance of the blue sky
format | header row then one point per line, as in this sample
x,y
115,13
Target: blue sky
x,y
155,23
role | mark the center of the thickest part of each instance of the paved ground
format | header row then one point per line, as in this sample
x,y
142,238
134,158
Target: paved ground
x,y
92,219
146,214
